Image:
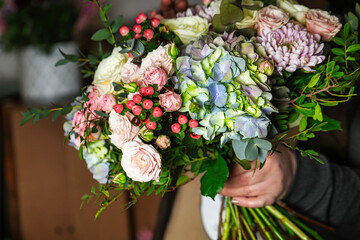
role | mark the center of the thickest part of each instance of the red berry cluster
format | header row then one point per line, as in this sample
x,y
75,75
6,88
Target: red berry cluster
x,y
182,120
142,108
143,28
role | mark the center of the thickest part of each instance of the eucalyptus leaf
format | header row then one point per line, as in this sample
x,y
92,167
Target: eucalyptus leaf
x,y
239,148
230,13
251,151
101,34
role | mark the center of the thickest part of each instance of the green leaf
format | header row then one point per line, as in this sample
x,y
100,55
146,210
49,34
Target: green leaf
x,y
230,13
61,62
346,30
303,124
357,9
99,212
339,41
338,51
293,116
26,118
80,151
251,151
353,20
314,80
101,34
102,114
353,48
66,109
243,163
318,114
55,115
44,113
116,24
106,193
301,99
214,179
182,180
218,26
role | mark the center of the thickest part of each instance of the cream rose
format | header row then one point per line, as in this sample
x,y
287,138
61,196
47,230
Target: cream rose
x,y
322,23
122,130
109,71
188,28
271,17
294,10
141,162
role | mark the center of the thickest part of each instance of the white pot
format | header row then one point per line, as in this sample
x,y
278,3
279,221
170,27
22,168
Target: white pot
x,y
43,83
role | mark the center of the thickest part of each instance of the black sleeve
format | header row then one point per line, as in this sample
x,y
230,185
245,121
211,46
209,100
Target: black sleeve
x,y
330,192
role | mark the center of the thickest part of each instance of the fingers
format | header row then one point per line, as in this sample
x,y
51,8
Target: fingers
x,y
245,191
254,202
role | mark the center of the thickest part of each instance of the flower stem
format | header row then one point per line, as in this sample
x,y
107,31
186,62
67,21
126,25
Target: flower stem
x,y
249,230
282,218
107,21
268,223
261,224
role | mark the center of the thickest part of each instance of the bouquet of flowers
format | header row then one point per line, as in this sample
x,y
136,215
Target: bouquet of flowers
x,y
220,84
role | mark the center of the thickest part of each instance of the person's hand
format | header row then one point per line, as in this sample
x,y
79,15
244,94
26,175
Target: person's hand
x,y
169,8
262,187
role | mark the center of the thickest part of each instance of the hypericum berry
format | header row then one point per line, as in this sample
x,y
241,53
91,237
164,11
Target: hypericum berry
x,y
130,55
137,110
118,108
176,128
142,91
195,136
140,18
124,31
137,28
148,34
137,98
136,121
148,104
182,119
155,22
149,91
157,112
130,104
193,123
137,36
151,125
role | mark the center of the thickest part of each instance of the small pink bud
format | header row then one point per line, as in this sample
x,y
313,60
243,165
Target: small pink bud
x,y
140,18
148,104
124,31
151,125
118,108
149,91
137,98
137,36
176,128
195,136
193,123
137,28
157,112
182,119
130,104
137,110
148,34
155,22
130,55
206,2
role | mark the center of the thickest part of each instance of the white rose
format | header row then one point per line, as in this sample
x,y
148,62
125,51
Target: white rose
x,y
188,28
141,162
158,58
109,71
294,10
122,130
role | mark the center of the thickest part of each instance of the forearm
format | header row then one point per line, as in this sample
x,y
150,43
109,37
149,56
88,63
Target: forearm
x,y
326,192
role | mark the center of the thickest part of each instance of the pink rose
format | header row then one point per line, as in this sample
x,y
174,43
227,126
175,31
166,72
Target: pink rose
x,y
82,121
271,17
130,72
94,102
158,58
170,101
322,23
163,142
122,129
156,75
141,162
108,102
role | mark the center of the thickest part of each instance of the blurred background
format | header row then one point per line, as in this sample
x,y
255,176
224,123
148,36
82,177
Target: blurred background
x,y
41,179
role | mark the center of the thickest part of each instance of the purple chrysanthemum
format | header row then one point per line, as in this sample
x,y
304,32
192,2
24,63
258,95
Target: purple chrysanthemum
x,y
292,47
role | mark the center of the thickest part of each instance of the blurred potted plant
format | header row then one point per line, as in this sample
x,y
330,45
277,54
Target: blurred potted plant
x,y
38,28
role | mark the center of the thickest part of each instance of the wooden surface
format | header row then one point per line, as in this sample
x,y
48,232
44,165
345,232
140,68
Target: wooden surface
x,y
46,180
